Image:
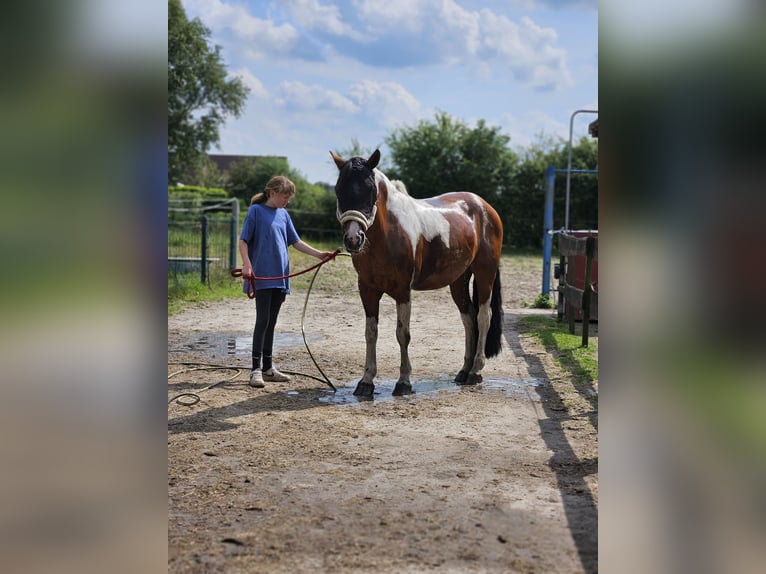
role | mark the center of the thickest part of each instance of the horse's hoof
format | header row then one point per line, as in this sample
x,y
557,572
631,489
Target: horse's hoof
x,y
468,379
461,377
403,389
364,389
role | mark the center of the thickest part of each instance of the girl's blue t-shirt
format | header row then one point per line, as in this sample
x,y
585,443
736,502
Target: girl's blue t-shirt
x,y
268,232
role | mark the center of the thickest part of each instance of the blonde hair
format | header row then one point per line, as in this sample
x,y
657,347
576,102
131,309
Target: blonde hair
x,y
278,184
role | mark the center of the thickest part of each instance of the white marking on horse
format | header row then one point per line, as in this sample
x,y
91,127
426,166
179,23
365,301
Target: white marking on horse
x,y
415,218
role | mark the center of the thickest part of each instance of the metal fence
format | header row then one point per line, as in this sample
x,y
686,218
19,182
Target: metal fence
x,y
209,239
203,239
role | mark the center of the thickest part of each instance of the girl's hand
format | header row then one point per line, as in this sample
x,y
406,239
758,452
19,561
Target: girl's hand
x,y
327,254
247,271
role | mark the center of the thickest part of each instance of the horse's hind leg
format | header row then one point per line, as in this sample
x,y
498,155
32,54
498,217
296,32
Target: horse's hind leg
x,y
461,297
371,302
483,285
403,385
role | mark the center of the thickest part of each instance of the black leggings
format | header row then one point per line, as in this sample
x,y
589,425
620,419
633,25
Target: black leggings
x,y
267,305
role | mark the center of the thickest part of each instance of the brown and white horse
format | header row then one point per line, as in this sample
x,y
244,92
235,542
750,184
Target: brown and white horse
x,y
399,243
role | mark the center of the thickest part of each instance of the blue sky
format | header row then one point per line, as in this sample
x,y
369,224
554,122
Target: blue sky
x,y
325,72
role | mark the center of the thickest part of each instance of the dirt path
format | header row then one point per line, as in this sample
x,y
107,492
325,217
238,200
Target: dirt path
x,y
501,477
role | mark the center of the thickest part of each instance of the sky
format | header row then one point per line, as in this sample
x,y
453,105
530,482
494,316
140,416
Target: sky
x,y
325,73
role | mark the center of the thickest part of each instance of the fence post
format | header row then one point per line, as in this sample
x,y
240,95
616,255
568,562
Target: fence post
x,y
203,251
234,235
550,180
590,244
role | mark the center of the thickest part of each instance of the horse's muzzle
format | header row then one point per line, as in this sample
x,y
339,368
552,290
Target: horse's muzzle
x,y
353,242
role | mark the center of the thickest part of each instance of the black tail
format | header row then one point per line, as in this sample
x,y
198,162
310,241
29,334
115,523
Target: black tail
x,y
495,334
494,343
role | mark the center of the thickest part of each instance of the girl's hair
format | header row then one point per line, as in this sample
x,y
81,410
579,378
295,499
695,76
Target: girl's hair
x,y
278,184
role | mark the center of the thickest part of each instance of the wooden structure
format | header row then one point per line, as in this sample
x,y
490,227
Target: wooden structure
x,y
585,298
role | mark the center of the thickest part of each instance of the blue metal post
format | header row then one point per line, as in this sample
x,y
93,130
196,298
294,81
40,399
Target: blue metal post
x,y
550,180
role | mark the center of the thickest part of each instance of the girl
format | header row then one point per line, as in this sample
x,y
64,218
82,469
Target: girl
x,y
266,234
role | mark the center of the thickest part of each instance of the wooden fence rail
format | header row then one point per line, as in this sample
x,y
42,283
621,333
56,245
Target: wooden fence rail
x,y
586,298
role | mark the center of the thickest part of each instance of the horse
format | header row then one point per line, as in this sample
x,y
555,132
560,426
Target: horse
x,y
398,244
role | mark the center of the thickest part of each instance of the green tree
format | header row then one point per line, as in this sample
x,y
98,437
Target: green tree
x,y
313,206
526,203
199,94
246,177
447,155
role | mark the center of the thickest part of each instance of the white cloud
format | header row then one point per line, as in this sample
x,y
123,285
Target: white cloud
x,y
299,96
315,16
525,129
527,49
398,33
263,36
390,102
257,89
399,15
443,32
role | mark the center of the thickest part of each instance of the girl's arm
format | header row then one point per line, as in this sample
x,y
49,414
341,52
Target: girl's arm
x,y
247,268
304,247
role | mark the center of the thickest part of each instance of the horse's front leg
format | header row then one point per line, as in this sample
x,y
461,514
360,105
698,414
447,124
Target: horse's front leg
x,y
403,385
371,302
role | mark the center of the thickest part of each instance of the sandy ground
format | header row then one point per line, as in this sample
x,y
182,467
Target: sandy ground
x,y
500,477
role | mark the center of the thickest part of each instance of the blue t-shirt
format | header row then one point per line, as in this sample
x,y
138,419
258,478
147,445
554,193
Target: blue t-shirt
x,y
268,232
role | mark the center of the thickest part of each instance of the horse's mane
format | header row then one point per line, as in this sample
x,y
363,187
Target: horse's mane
x,y
395,184
400,186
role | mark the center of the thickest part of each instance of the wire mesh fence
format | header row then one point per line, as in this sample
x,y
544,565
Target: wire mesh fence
x,y
208,239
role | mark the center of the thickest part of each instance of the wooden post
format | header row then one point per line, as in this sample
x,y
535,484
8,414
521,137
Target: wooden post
x,y
590,244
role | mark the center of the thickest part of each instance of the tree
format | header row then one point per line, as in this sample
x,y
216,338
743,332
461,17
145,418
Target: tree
x,y
313,206
447,155
199,94
525,205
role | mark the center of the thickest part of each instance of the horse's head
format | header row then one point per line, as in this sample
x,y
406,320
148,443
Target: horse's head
x,y
357,195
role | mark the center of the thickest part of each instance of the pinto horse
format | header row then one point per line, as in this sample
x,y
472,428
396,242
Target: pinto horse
x,y
399,243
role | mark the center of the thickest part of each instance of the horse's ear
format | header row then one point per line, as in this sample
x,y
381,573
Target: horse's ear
x,y
373,160
339,161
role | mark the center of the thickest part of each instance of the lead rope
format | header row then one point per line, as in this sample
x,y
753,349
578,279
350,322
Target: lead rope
x,y
195,398
303,332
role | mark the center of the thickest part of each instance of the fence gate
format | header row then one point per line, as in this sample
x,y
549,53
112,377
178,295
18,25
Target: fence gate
x,y
203,239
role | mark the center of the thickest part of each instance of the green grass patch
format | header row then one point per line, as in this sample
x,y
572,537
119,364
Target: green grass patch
x,y
581,362
186,288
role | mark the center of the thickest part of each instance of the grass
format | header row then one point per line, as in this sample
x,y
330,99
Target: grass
x,y
581,362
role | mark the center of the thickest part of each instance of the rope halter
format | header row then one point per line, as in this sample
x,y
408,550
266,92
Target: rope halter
x,y
353,215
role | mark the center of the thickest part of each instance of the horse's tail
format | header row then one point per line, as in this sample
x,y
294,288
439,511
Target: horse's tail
x,y
494,343
495,334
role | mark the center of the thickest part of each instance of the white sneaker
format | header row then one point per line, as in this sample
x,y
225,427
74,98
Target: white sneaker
x,y
272,375
256,379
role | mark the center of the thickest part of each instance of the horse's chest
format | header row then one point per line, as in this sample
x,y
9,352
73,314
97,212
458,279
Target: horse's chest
x,y
389,275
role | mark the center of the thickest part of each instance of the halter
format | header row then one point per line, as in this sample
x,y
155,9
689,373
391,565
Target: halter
x,y
358,216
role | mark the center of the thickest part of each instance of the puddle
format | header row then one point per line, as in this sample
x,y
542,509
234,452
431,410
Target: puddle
x,y
423,390
217,345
